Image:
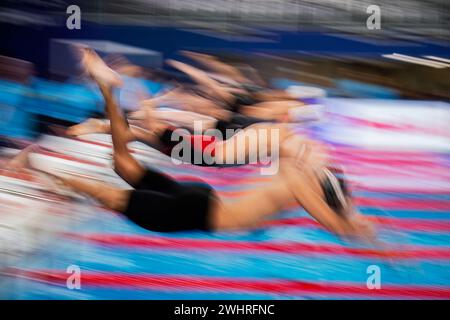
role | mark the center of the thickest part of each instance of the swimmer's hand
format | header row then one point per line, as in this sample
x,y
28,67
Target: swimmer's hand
x,y
20,162
361,229
173,63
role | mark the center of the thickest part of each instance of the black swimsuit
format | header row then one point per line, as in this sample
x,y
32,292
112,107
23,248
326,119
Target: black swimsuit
x,y
159,203
240,100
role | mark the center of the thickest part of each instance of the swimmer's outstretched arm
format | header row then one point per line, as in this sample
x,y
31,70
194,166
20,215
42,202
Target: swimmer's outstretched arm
x,y
308,196
216,65
320,211
113,198
202,78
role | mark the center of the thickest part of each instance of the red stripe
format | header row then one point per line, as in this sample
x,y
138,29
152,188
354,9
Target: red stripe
x,y
93,142
369,156
349,150
404,204
70,158
424,225
392,168
389,126
222,284
288,247
441,176
393,162
385,189
17,175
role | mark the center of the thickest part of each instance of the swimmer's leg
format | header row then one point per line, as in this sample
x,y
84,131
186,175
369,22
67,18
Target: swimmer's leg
x,y
124,164
113,198
89,126
134,132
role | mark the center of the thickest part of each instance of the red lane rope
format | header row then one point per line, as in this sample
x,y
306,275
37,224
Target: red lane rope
x,y
287,247
423,225
404,204
222,284
390,126
24,176
400,190
366,152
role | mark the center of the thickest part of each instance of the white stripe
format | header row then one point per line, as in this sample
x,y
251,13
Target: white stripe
x,y
425,62
438,59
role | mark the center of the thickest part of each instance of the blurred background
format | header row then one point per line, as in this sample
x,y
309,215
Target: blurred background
x,y
323,43
386,92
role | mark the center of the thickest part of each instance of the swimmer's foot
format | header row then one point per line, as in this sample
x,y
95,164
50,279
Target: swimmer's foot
x,y
58,185
20,161
363,230
98,69
87,127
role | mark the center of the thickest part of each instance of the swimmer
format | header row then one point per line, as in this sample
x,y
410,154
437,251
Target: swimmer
x,y
160,203
235,78
225,140
238,99
226,143
159,134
